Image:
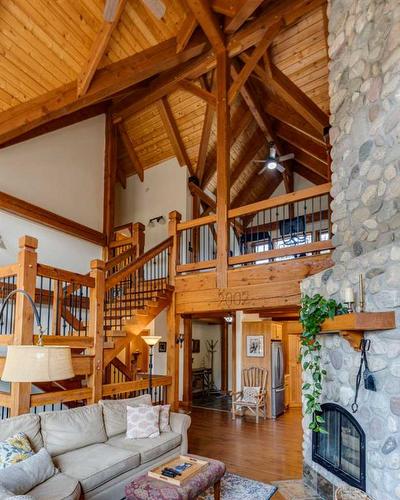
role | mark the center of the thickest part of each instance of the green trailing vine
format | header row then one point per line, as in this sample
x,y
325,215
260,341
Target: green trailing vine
x,y
314,311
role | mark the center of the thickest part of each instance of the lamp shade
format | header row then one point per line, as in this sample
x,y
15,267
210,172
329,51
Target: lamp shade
x,y
151,339
32,363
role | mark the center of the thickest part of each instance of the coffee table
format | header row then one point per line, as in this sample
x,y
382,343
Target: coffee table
x,y
147,488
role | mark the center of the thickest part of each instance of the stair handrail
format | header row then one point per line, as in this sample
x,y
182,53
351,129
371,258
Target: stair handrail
x,y
114,261
138,263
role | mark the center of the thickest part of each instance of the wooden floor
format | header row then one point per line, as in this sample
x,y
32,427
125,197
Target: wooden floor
x,y
269,451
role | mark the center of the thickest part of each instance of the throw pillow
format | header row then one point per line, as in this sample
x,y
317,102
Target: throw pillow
x,y
164,418
14,449
114,412
23,476
142,422
250,394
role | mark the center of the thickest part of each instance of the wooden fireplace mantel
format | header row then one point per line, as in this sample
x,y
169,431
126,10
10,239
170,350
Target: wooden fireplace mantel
x,y
353,326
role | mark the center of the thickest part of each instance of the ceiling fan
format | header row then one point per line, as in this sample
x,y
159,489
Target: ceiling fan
x,y
273,160
156,7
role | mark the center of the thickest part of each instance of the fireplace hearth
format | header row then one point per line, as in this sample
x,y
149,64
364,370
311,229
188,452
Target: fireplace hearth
x,y
342,450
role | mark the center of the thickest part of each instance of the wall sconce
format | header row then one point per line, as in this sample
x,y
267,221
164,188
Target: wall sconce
x,y
160,219
180,339
228,319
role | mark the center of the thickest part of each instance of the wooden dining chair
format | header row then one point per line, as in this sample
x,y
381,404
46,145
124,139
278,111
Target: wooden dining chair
x,y
253,396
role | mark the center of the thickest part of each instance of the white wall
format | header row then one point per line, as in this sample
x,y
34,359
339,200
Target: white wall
x,y
205,333
63,172
164,189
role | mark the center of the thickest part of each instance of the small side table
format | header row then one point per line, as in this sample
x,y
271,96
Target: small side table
x,y
148,488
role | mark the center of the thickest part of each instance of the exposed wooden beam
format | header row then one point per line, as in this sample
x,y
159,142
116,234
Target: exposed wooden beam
x,y
197,191
28,211
194,89
110,173
292,94
225,7
174,135
134,158
310,162
244,11
208,22
98,49
274,179
301,141
223,167
288,179
253,146
185,32
308,174
247,69
205,136
107,81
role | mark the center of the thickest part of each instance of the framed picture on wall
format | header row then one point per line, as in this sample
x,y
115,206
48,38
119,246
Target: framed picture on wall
x,y
196,345
162,347
255,346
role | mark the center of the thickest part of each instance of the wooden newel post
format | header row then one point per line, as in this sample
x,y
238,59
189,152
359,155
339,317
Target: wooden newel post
x,y
138,238
24,316
96,322
174,219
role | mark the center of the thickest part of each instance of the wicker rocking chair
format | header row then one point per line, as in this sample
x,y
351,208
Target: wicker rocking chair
x,y
252,377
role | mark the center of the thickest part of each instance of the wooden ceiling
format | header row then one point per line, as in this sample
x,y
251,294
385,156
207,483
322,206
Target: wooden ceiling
x,y
61,61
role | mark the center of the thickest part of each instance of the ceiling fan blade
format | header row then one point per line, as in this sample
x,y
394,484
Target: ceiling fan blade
x,y
110,10
156,7
289,156
258,161
262,170
280,168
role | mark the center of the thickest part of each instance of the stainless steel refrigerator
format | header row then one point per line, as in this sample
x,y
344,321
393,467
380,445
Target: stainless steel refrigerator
x,y
277,380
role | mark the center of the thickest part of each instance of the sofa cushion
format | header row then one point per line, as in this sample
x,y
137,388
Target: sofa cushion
x,y
68,430
114,412
96,464
149,449
60,486
28,424
25,475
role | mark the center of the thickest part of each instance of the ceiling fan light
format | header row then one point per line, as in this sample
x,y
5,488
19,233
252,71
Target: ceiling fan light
x,y
272,164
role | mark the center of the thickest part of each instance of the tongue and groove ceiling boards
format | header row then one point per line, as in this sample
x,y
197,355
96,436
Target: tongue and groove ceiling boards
x,y
154,72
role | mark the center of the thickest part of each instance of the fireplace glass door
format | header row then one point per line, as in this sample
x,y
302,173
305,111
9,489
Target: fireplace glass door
x,y
342,450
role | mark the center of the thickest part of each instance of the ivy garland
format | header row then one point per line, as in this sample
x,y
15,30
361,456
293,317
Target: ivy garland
x,y
314,311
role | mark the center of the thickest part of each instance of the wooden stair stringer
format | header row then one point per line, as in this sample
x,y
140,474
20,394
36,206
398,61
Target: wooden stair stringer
x,y
134,326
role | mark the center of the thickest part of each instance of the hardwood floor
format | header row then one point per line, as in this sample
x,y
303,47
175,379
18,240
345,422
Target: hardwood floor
x,y
269,451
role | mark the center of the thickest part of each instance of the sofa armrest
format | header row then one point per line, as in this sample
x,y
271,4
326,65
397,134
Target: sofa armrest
x,y
180,423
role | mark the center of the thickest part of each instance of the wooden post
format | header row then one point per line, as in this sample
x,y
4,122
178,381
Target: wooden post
x,y
223,161
96,321
187,366
173,321
174,219
234,354
138,238
23,328
110,173
224,356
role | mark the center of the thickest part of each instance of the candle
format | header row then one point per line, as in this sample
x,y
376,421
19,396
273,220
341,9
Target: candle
x,y
361,293
348,295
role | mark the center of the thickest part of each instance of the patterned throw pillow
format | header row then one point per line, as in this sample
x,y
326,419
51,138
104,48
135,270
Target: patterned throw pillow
x,y
250,394
164,418
142,422
14,450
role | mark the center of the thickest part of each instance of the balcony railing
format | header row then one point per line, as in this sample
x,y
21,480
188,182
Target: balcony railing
x,y
285,227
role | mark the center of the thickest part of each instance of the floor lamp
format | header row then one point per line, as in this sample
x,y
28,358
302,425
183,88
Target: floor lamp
x,y
151,341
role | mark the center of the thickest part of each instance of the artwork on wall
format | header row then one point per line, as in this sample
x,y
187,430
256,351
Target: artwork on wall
x,y
255,346
162,347
196,345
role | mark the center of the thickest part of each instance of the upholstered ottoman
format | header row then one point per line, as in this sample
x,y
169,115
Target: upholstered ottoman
x,y
147,488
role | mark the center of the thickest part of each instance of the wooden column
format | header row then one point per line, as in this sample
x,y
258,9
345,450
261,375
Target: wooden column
x,y
174,219
224,356
24,317
138,238
173,321
223,161
187,366
234,354
110,174
96,321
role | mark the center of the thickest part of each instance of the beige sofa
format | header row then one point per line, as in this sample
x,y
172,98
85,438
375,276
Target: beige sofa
x,y
89,448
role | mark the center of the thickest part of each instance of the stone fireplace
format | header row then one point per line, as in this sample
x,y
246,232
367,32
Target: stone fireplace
x,y
364,76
